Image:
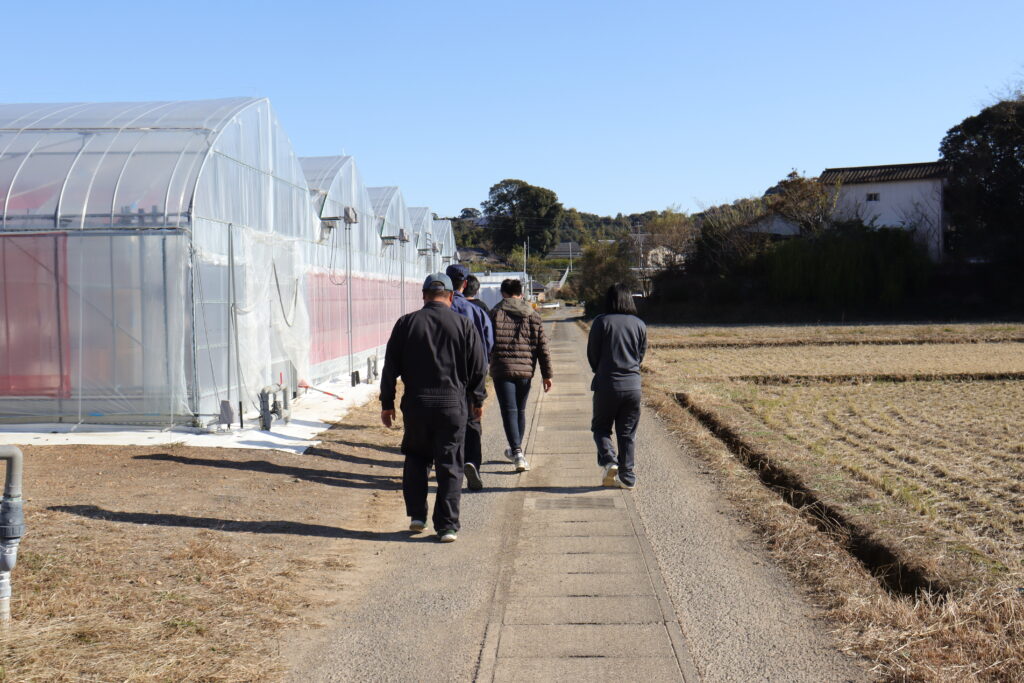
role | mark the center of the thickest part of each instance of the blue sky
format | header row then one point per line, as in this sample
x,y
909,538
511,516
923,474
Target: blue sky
x,y
616,106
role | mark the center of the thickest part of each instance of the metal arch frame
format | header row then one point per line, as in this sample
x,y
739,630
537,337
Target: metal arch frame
x,y
14,178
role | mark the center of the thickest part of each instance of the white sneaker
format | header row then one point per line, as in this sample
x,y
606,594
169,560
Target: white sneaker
x,y
510,454
521,464
417,525
609,473
621,484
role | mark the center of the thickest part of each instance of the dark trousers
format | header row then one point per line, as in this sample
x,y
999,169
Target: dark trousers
x,y
474,447
512,395
433,438
621,409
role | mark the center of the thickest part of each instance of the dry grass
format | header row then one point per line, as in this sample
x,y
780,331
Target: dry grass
x,y
686,364
949,453
89,609
931,470
766,335
189,564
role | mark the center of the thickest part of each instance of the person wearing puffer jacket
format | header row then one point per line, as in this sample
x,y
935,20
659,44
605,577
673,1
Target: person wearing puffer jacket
x,y
519,343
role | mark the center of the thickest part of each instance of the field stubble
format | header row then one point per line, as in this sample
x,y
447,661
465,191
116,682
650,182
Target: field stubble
x,y
929,470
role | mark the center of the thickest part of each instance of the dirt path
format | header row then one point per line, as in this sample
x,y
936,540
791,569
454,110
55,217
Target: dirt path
x,y
509,600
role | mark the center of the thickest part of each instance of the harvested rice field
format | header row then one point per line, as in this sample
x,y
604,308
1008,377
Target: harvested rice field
x,y
885,467
917,361
764,335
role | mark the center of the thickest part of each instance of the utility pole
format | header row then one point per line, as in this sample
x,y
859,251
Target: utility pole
x,y
526,250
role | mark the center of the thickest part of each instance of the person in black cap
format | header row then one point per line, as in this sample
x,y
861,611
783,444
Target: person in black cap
x,y
437,354
482,322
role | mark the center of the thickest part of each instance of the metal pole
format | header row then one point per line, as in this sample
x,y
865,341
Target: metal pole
x,y
348,295
230,302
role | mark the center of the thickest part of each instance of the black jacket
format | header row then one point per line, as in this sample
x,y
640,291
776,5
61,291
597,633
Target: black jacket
x,y
615,349
439,357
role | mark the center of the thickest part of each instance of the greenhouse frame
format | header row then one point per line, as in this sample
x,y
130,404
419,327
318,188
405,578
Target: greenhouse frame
x,y
162,262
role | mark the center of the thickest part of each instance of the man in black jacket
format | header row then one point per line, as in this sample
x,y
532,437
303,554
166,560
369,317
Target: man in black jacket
x,y
438,355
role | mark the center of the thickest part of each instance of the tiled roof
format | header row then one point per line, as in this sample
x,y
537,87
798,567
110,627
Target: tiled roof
x,y
883,174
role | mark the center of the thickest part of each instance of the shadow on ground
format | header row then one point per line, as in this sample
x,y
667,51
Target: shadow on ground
x,y
329,477
217,524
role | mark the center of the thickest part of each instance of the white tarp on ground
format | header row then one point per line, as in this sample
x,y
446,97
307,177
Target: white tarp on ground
x,y
311,415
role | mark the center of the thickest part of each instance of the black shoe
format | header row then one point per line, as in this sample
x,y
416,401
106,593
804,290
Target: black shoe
x,y
473,480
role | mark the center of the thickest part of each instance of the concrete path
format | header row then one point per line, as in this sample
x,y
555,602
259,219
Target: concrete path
x,y
557,578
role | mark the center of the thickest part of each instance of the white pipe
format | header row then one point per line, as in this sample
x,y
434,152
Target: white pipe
x,y
12,526
14,457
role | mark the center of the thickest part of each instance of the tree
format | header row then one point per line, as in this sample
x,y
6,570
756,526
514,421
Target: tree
x,y
517,211
984,156
724,241
803,201
675,233
469,213
603,264
572,228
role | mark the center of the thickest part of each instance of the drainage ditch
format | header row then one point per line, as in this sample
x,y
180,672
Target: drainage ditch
x,y
892,573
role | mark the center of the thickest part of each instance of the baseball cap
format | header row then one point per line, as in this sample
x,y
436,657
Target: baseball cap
x,y
437,282
457,271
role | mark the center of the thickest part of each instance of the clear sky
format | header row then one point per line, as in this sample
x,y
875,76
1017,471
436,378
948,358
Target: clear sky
x,y
616,106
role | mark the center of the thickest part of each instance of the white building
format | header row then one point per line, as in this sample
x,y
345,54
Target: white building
x,y
490,285
907,196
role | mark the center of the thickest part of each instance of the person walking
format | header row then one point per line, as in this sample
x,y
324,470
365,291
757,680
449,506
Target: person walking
x,y
615,348
472,289
438,355
461,305
519,343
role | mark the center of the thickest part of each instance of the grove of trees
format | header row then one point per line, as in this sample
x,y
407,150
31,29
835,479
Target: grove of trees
x,y
984,156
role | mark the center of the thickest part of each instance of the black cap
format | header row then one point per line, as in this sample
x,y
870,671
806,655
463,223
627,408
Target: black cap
x,y
457,271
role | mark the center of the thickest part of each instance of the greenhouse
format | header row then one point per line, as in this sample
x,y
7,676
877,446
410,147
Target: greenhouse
x,y
357,295
162,262
444,236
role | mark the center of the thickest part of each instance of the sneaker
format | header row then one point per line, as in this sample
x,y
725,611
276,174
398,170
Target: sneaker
x,y
521,464
621,484
473,480
447,536
417,525
609,473
510,455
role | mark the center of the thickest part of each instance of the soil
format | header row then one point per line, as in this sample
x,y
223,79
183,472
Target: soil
x,y
191,560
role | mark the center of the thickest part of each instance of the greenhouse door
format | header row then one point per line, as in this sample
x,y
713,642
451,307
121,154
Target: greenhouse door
x,y
34,358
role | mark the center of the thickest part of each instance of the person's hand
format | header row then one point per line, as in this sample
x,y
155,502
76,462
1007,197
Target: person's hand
x,y
478,412
387,417
547,385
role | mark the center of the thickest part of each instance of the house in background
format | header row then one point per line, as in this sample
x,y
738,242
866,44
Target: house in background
x,y
907,196
775,225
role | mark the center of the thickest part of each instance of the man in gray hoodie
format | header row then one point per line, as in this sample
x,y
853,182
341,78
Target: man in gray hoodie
x,y
615,349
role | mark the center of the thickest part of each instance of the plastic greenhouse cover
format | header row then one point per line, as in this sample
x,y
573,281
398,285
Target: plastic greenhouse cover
x,y
170,257
128,164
